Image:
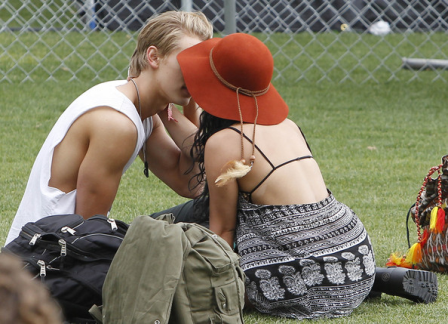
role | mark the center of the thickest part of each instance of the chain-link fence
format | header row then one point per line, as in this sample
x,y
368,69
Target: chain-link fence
x,y
313,41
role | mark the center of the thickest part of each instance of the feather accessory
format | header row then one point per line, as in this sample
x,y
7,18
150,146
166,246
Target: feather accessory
x,y
233,170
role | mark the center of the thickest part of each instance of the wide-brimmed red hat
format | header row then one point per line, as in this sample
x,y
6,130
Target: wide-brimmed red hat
x,y
232,75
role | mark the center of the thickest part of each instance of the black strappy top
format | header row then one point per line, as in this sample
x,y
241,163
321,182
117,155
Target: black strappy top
x,y
248,195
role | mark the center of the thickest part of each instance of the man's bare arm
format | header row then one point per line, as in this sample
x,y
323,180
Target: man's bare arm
x,y
113,139
91,159
169,156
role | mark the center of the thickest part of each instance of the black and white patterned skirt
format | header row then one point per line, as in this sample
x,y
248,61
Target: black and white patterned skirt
x,y
304,261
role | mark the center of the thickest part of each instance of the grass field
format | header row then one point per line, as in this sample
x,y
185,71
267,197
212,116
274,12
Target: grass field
x,y
331,56
374,143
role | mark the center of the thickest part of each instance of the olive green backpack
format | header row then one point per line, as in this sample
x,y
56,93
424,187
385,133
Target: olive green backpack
x,y
172,273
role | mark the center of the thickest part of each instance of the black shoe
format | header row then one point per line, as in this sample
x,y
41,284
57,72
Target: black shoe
x,y
417,285
422,285
373,295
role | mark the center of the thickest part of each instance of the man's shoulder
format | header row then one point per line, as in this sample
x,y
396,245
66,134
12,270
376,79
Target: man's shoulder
x,y
105,122
110,118
105,93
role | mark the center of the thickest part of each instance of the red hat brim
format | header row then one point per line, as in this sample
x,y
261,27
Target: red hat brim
x,y
219,100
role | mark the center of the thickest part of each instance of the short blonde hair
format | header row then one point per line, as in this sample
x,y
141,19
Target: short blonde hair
x,y
164,32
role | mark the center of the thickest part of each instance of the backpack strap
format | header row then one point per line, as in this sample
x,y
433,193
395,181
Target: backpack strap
x,y
194,234
407,225
97,313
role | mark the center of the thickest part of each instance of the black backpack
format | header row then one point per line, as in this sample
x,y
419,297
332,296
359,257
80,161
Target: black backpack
x,y
71,256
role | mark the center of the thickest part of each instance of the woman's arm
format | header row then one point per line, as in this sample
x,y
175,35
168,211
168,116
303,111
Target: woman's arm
x,y
192,111
223,200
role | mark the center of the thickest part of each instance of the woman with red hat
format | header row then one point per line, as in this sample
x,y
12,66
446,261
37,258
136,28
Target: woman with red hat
x,y
304,253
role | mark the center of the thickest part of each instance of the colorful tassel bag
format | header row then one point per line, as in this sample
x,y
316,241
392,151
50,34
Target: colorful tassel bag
x,y
429,214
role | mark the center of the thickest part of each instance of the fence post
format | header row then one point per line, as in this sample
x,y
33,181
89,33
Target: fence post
x,y
90,14
186,5
229,17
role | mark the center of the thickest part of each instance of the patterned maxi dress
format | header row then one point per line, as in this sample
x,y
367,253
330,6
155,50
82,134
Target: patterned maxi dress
x,y
304,261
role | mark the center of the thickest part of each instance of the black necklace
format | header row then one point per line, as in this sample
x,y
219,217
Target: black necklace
x,y
145,170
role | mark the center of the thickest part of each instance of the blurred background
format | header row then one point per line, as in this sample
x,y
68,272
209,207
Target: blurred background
x,y
313,41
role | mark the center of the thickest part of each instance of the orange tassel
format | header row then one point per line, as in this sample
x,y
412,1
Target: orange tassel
x,y
396,260
440,223
414,255
424,237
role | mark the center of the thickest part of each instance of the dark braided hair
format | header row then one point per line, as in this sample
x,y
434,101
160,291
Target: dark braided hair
x,y
208,126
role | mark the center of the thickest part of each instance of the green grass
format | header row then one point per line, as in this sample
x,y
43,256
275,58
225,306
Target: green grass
x,y
36,13
65,56
373,142
339,57
312,57
55,53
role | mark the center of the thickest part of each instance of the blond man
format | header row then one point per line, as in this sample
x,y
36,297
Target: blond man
x,y
96,139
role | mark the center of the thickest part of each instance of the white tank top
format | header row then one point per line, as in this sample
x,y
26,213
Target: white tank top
x,y
39,199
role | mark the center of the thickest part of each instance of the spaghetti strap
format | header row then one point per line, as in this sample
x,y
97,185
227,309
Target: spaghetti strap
x,y
248,194
258,149
304,137
275,168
